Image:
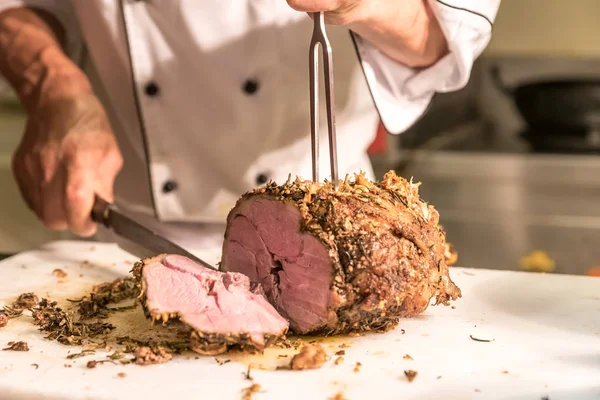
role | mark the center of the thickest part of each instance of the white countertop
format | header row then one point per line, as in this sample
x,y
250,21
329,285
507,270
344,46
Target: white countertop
x,y
546,331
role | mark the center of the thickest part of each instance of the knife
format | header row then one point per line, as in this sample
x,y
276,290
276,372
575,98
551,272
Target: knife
x,y
107,214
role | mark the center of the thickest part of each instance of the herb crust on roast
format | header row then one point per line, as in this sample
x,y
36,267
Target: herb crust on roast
x,y
332,261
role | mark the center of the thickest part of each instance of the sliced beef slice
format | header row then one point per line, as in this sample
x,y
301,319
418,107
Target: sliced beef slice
x,y
222,309
338,260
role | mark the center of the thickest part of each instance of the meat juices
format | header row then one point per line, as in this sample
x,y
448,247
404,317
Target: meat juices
x,y
334,261
222,309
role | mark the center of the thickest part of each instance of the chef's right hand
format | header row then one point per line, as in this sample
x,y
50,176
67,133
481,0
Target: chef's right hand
x,y
67,155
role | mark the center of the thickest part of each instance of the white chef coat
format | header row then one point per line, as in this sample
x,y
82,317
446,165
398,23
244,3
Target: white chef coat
x,y
209,99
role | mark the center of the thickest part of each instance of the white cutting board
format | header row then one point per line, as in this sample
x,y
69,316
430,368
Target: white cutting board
x,y
545,330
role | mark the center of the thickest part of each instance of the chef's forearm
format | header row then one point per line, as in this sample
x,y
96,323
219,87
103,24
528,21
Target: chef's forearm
x,y
417,44
33,60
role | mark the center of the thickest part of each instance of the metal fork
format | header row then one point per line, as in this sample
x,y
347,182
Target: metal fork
x,y
319,37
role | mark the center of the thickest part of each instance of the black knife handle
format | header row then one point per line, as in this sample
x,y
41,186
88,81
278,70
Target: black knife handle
x,y
101,211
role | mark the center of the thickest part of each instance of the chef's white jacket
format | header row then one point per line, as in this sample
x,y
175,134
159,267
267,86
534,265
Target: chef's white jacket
x,y
209,99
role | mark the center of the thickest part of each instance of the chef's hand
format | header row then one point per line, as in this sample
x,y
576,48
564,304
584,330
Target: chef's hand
x,y
68,154
405,30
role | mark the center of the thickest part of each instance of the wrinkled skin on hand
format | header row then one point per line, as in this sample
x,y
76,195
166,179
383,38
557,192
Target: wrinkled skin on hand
x,y
68,154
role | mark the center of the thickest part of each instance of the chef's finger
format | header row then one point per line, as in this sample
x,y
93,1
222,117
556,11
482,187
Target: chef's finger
x,y
79,199
52,181
52,198
27,181
111,166
314,5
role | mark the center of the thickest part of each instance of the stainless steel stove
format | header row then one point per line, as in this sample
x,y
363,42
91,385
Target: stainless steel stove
x,y
499,201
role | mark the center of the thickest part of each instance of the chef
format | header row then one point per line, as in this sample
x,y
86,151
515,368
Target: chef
x,y
174,108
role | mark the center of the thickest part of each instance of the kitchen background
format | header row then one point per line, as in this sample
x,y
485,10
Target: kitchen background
x,y
505,202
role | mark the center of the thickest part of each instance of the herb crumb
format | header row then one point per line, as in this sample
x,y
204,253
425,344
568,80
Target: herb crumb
x,y
410,375
25,301
338,396
59,273
481,340
310,357
17,346
250,390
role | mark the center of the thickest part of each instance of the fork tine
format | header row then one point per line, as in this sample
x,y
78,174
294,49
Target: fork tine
x,y
314,107
330,102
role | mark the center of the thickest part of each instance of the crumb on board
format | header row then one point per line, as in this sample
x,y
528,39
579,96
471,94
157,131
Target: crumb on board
x,y
3,320
59,273
410,374
25,301
311,356
505,372
82,354
477,390
221,362
339,360
340,353
121,375
537,261
92,364
481,340
344,346
439,377
407,357
247,375
145,355
16,346
68,365
249,392
35,366
337,396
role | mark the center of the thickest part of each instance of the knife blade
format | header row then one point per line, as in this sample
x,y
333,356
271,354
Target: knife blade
x,y
107,214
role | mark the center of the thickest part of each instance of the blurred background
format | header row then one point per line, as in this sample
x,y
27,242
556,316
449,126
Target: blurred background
x,y
515,174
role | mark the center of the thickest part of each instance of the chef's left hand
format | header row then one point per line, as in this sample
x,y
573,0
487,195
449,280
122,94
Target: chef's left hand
x,y
405,30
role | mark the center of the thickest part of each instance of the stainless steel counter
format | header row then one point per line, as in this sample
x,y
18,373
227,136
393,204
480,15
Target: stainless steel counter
x,y
497,208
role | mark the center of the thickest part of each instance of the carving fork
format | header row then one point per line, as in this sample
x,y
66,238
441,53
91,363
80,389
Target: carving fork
x,y
319,37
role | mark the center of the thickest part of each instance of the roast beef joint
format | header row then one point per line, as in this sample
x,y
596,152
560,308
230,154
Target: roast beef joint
x,y
308,258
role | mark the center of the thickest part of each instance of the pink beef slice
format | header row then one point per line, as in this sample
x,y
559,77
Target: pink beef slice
x,y
263,241
212,303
